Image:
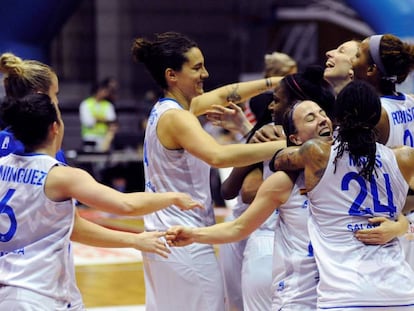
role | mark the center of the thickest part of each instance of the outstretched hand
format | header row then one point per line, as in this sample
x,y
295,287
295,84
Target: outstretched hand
x,y
186,202
152,242
231,118
179,236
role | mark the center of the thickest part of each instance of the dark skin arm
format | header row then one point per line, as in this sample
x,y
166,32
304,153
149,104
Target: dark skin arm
x,y
231,186
251,184
383,128
289,159
240,178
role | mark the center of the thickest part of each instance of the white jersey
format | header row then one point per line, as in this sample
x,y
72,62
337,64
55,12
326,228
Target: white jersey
x,y
257,262
34,231
190,279
239,206
353,274
400,110
407,241
174,170
270,223
295,275
231,259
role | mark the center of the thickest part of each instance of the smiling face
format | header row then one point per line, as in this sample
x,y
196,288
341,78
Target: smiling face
x,y
279,103
339,62
311,122
190,79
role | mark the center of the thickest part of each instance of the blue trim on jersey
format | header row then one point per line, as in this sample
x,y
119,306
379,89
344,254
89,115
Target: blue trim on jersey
x,y
399,96
28,154
60,156
168,98
161,100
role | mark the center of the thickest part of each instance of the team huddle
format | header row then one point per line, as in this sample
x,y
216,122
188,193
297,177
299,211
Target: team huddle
x,y
321,183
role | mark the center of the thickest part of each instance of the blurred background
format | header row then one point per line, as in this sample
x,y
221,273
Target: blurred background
x,y
87,40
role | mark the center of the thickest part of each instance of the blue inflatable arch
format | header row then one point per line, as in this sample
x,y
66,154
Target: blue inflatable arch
x,y
27,26
389,16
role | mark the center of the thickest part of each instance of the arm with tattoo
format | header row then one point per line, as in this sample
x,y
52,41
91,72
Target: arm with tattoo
x,y
236,93
289,159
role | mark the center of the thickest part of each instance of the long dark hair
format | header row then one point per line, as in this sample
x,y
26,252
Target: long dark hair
x,y
358,110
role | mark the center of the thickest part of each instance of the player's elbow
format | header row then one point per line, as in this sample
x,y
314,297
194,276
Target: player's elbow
x,y
217,160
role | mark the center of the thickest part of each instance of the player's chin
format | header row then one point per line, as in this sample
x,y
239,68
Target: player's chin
x,y
328,138
199,88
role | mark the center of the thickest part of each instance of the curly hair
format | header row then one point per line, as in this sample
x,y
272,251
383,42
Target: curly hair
x,y
358,110
397,56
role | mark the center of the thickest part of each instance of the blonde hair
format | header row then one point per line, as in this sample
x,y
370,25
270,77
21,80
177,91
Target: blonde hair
x,y
278,64
22,77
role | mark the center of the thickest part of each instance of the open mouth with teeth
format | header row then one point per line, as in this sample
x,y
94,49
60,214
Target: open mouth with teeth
x,y
325,133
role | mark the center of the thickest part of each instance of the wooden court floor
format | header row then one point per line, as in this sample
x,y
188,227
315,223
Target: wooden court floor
x,y
115,284
111,285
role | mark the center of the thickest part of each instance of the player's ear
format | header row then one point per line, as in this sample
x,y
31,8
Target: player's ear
x,y
294,139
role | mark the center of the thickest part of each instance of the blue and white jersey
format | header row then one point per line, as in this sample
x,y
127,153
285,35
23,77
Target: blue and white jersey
x,y
353,274
174,170
295,274
34,231
400,110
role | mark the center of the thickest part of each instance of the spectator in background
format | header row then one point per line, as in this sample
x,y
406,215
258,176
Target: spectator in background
x,y
98,116
275,64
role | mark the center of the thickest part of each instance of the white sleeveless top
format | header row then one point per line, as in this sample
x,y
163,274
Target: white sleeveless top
x,y
34,231
270,222
174,170
352,273
400,110
295,274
